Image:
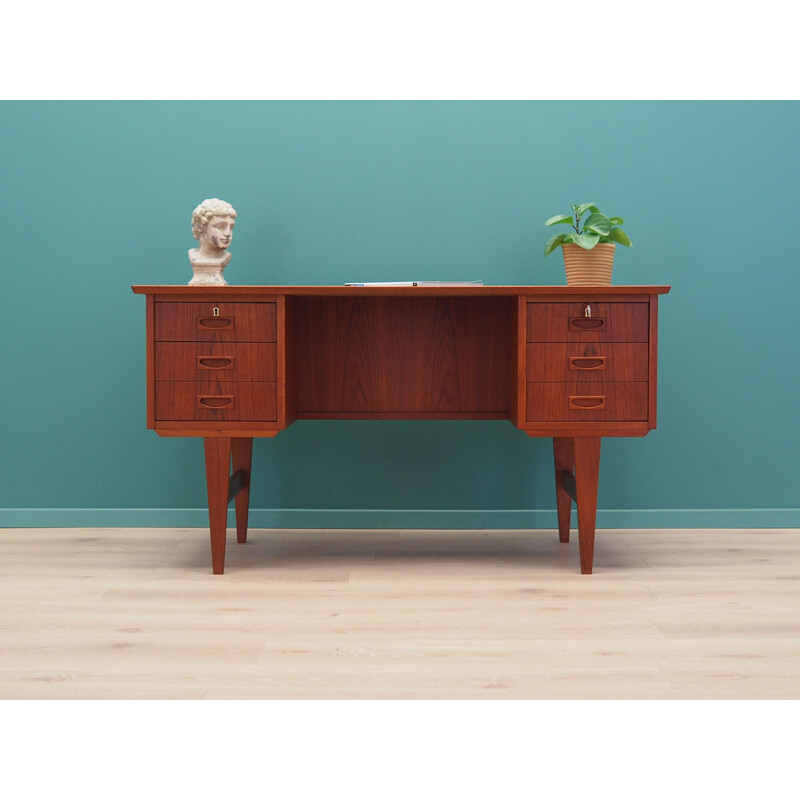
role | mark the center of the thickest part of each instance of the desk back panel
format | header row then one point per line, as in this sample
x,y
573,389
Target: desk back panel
x,y
446,357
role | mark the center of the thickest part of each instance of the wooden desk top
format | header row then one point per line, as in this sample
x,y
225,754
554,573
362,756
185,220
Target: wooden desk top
x,y
404,291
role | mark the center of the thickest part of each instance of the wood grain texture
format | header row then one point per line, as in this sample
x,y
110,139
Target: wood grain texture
x,y
429,355
548,429
218,462
564,459
249,322
587,361
241,459
587,472
517,410
396,415
124,613
178,400
550,402
221,428
150,361
260,293
653,377
231,361
287,362
622,322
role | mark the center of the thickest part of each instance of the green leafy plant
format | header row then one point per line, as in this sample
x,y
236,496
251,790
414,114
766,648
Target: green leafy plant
x,y
597,229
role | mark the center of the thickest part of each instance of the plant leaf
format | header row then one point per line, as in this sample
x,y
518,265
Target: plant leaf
x,y
599,223
554,242
583,208
619,236
587,240
616,220
558,218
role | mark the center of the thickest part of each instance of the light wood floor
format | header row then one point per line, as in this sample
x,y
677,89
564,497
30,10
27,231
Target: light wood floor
x,y
136,613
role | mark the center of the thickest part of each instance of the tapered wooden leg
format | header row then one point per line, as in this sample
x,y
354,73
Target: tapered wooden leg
x,y
242,449
218,462
564,454
587,471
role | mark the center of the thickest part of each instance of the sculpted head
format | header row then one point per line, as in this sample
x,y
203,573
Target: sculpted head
x,y
212,223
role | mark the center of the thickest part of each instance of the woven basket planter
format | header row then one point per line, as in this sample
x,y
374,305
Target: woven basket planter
x,y
588,267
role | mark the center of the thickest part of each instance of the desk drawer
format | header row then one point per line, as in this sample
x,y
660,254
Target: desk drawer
x,y
567,322
197,361
216,322
212,400
587,361
580,401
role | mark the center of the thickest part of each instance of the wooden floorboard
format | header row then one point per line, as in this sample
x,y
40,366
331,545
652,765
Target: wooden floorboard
x,y
136,613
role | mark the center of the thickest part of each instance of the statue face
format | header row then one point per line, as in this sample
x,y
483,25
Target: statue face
x,y
219,232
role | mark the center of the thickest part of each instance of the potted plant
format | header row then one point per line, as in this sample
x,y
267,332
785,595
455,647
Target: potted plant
x,y
589,251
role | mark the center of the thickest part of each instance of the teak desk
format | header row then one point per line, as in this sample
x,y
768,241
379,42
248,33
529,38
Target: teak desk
x,y
236,362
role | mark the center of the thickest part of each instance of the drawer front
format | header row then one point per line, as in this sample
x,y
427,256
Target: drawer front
x,y
198,361
568,322
580,401
216,322
225,401
587,361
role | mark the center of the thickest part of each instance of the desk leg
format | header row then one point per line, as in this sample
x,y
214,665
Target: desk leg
x,y
218,462
587,471
242,449
564,453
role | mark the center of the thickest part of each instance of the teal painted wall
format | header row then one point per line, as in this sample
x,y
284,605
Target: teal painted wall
x,y
97,196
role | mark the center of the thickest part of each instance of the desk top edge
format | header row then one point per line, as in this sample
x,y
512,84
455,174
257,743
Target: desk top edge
x,y
333,291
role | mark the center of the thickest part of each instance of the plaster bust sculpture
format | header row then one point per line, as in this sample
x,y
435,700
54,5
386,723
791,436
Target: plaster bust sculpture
x,y
212,226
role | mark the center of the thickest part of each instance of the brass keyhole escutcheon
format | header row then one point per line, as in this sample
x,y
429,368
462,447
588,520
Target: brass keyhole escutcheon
x,y
587,312
216,311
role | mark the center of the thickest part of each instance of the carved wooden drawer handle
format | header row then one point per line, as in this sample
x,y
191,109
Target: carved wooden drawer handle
x,y
582,403
587,362
215,323
215,362
587,323
214,401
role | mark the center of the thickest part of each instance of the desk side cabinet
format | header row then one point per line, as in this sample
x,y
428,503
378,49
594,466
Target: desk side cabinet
x,y
230,364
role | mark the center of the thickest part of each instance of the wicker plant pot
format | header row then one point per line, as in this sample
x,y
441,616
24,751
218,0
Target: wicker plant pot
x,y
588,267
